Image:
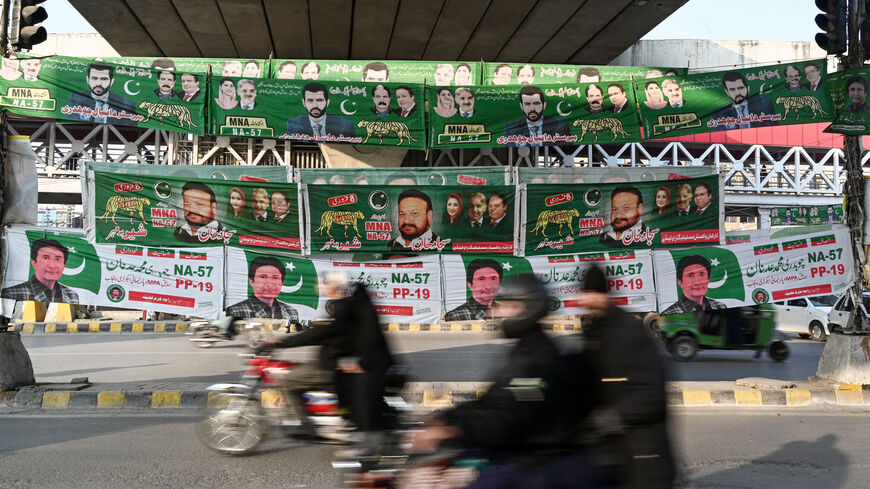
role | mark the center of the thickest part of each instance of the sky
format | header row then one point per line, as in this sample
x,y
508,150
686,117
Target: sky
x,y
697,19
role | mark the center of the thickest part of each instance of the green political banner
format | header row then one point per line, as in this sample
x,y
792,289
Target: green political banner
x,y
803,215
52,266
765,96
473,175
78,89
606,216
247,68
848,91
172,211
530,73
244,173
366,113
531,115
274,285
610,174
399,220
718,277
435,73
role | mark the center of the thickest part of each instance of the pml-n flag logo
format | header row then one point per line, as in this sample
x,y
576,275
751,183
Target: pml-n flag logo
x,y
300,280
83,269
726,277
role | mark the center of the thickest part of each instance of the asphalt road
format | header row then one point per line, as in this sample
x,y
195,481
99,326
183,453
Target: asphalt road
x,y
763,449
458,357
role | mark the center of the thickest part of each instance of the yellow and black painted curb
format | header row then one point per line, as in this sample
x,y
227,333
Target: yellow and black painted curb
x,y
432,396
182,327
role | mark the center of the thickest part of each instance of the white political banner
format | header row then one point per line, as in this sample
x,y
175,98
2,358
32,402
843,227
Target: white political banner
x,y
629,277
754,272
406,290
51,266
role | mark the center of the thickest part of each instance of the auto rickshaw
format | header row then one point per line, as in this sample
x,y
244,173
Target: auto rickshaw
x,y
737,328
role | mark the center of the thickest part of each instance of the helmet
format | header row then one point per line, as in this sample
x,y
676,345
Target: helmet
x,y
528,290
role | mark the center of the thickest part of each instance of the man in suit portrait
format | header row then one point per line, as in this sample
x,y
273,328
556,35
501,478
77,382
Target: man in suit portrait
x,y
594,99
616,94
165,85
465,98
48,259
535,123
315,99
684,199
674,93
100,101
260,205
310,71
414,222
200,215
856,88
814,76
189,87
743,108
626,212
502,74
497,210
281,207
703,198
286,71
526,75
405,99
381,100
247,94
266,278
30,68
476,210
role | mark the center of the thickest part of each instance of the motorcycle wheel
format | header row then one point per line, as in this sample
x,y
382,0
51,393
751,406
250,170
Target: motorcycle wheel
x,y
234,426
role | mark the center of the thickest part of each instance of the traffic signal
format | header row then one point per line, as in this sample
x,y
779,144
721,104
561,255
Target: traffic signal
x,y
26,14
833,21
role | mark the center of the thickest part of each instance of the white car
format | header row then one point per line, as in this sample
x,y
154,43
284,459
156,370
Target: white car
x,y
842,311
805,316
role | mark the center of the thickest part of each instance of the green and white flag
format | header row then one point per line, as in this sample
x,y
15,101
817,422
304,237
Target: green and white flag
x,y
172,280
754,272
402,290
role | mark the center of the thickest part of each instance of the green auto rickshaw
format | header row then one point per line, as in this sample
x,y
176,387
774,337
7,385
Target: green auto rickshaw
x,y
737,328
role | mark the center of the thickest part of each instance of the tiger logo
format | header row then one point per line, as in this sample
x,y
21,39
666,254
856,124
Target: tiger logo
x,y
385,128
167,111
342,218
611,124
126,203
800,102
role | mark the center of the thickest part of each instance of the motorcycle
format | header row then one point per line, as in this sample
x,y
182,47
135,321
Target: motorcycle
x,y
236,421
208,332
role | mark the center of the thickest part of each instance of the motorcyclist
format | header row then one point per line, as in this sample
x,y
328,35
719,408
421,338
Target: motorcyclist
x,y
498,420
333,340
353,356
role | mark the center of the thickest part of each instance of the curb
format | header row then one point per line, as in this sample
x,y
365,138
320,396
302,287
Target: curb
x,y
429,396
182,326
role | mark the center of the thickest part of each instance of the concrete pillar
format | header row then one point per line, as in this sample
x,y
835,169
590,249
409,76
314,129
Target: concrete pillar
x,y
764,217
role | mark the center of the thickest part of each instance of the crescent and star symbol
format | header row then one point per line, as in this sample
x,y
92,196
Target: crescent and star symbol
x,y
344,110
127,88
559,109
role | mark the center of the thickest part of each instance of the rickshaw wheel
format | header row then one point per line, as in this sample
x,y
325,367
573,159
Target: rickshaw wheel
x,y
684,347
778,351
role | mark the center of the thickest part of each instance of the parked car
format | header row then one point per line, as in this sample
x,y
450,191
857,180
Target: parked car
x,y
805,316
842,311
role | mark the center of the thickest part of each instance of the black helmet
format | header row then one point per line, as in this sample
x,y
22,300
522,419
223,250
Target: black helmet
x,y
527,289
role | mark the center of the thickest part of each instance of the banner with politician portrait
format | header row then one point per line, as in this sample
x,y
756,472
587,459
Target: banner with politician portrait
x,y
80,89
848,91
248,68
397,220
766,96
173,211
718,277
379,114
629,276
619,215
531,73
532,115
433,73
281,286
244,173
50,266
470,175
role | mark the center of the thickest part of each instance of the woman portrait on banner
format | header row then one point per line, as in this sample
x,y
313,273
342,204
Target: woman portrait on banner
x,y
463,75
655,99
446,104
227,95
237,202
452,210
663,202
